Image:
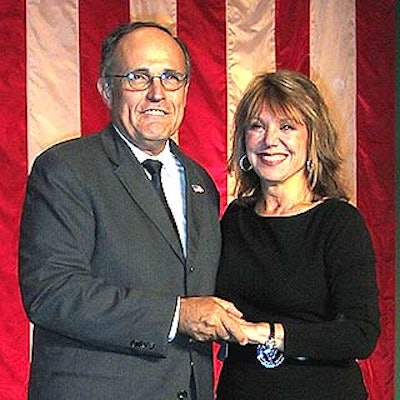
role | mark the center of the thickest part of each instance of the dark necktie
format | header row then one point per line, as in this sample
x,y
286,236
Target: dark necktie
x,y
154,168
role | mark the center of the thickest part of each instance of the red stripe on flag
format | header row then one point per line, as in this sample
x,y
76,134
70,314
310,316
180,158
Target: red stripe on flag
x,y
201,24
376,171
292,30
14,327
203,136
96,20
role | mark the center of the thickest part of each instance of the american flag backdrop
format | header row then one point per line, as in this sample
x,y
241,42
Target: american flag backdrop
x,y
49,66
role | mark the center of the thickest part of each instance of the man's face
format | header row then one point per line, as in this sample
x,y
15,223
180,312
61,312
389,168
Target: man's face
x,y
151,116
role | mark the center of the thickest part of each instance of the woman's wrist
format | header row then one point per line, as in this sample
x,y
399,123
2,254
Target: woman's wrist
x,y
260,333
279,336
270,353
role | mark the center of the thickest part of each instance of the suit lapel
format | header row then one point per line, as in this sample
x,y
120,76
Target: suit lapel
x,y
193,218
194,211
132,176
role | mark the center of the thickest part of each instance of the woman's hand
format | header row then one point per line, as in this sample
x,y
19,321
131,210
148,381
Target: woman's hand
x,y
259,333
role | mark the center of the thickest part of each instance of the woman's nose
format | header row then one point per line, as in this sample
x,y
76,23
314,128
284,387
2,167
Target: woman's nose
x,y
271,134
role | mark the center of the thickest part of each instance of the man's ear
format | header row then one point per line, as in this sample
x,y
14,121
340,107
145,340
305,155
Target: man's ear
x,y
186,93
104,88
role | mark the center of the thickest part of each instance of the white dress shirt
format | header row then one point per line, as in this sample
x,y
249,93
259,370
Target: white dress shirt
x,y
174,186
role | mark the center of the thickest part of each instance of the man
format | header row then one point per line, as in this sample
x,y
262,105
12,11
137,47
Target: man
x,y
116,288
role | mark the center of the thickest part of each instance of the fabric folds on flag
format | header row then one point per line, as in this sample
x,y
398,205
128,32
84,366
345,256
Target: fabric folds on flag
x,y
48,74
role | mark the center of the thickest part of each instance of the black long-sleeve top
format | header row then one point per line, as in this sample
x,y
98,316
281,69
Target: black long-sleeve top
x,y
314,272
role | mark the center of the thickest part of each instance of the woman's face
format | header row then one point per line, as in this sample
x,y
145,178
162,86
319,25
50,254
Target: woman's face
x,y
277,148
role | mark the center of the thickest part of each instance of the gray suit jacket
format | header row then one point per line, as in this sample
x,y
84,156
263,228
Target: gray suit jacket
x,y
100,271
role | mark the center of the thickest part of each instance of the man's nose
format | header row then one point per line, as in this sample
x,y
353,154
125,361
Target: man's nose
x,y
156,91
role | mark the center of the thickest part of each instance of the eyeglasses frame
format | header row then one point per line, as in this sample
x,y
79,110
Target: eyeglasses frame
x,y
182,79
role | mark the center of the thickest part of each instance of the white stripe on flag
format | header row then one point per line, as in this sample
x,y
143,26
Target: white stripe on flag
x,y
250,50
333,69
162,11
53,74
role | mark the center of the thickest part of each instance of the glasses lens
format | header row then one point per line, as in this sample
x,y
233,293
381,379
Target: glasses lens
x,y
172,80
137,80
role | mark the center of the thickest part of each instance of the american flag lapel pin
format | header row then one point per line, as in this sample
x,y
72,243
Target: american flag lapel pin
x,y
197,188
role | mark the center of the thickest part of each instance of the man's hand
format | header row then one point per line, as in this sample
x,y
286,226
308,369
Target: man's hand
x,y
210,318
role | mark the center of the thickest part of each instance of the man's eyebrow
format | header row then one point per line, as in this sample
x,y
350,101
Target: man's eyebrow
x,y
143,70
146,70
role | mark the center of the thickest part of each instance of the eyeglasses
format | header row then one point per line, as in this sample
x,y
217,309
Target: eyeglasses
x,y
140,80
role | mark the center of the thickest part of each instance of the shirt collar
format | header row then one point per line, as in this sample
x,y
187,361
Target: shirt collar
x,y
166,156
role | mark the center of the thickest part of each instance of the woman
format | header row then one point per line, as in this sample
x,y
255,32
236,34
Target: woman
x,y
297,258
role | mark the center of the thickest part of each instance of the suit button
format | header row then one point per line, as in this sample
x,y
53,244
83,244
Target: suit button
x,y
182,395
138,344
191,268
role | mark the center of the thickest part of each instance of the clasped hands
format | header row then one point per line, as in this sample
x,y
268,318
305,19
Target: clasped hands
x,y
209,318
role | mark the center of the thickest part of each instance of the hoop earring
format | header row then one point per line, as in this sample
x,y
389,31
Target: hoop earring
x,y
309,166
242,160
